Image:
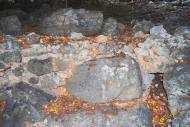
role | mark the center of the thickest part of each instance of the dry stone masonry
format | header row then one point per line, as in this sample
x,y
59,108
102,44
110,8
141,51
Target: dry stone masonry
x,y
97,70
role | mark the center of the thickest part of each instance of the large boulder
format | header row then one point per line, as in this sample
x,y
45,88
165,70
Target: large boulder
x,y
10,25
65,21
106,79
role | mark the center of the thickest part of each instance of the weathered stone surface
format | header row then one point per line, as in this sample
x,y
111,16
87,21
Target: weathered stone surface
x,y
33,80
15,11
176,83
24,105
9,43
40,67
185,31
33,38
159,31
65,21
10,25
76,36
49,83
112,27
35,50
182,119
138,116
2,65
143,26
11,56
106,79
18,71
108,48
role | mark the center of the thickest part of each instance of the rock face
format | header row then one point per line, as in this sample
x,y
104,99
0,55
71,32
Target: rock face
x,y
106,79
177,86
10,25
112,27
64,21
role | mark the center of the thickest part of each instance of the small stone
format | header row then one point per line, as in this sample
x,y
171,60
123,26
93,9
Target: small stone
x,y
2,65
185,31
40,67
108,47
102,39
68,49
33,80
143,26
76,36
159,31
9,43
176,84
35,50
33,38
12,56
49,83
112,27
18,71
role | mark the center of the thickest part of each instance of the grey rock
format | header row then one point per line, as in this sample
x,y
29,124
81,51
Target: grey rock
x,y
112,27
108,48
159,31
40,67
106,79
68,49
60,64
11,25
176,83
33,38
18,71
76,36
64,21
35,50
143,26
15,11
139,116
185,31
182,119
24,105
33,80
10,43
48,83
2,65
11,56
